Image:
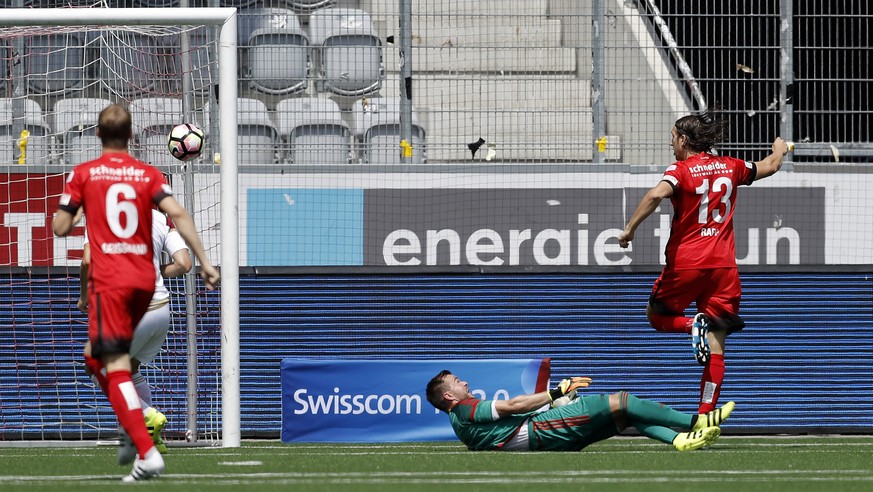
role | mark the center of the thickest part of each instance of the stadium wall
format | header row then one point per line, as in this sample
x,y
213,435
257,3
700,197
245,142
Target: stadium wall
x,y
802,365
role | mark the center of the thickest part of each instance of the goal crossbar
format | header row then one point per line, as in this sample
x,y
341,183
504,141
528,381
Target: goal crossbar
x,y
226,19
119,16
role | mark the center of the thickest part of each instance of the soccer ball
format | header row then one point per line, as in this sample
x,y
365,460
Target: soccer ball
x,y
186,141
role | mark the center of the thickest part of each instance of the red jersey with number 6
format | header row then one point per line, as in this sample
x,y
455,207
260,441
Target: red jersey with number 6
x,y
117,193
704,198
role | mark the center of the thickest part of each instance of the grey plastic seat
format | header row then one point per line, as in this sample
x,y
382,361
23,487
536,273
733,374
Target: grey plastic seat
x,y
377,128
13,123
155,3
50,3
314,131
251,19
240,4
350,51
56,63
257,136
153,118
308,5
75,122
278,58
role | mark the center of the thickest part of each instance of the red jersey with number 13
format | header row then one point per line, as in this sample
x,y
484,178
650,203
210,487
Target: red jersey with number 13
x,y
704,198
117,193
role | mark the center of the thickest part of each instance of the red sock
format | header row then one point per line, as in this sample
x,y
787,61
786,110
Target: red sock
x,y
125,402
96,367
710,383
671,324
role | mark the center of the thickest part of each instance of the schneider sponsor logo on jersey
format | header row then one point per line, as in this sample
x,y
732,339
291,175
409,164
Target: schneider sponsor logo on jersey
x,y
124,248
708,168
116,173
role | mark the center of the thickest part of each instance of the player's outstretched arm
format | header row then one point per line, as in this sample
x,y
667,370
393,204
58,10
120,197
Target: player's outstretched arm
x,y
185,226
522,404
529,403
647,206
770,164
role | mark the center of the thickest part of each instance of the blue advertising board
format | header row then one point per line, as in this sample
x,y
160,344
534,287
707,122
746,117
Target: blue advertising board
x,y
384,400
496,227
305,227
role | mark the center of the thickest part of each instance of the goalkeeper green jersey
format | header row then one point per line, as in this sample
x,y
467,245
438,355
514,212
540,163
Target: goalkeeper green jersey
x,y
567,428
474,424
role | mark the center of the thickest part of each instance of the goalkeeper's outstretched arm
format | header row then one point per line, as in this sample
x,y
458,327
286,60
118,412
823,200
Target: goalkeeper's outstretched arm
x,y
529,403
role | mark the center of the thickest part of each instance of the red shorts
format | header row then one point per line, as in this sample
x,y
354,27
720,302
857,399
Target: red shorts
x,y
113,315
715,291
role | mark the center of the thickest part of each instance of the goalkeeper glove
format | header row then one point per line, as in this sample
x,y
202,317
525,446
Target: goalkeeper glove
x,y
567,386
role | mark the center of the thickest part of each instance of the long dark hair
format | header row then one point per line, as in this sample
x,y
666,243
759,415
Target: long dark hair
x,y
703,131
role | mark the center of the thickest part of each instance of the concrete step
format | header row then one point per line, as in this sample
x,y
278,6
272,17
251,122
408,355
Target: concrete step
x,y
505,31
442,148
484,8
495,93
489,60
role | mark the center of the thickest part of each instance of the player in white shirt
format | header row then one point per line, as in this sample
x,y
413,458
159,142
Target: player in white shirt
x,y
151,332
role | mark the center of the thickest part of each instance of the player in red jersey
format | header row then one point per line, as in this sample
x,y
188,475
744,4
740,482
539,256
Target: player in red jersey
x,y
701,264
117,192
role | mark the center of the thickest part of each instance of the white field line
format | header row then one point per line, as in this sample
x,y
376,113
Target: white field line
x,y
272,444
763,448
568,477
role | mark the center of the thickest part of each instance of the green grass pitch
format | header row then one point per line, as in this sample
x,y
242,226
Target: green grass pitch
x,y
733,464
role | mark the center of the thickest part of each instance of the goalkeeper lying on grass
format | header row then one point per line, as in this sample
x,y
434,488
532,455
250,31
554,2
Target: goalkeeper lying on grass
x,y
570,423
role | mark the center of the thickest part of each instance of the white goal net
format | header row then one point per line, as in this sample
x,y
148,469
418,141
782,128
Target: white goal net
x,y
58,69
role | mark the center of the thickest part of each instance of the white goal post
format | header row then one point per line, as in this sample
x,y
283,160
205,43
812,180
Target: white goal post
x,y
226,20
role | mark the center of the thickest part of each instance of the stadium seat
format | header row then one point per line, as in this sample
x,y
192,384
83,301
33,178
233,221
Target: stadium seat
x,y
75,122
240,4
257,136
278,58
55,63
54,3
153,118
155,3
350,51
314,131
308,5
252,19
377,128
17,115
132,64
